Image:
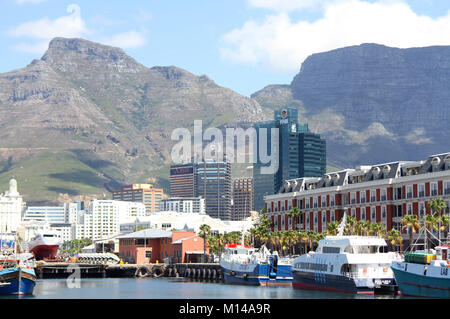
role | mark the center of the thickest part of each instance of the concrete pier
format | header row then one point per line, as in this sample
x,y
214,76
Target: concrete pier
x,y
198,271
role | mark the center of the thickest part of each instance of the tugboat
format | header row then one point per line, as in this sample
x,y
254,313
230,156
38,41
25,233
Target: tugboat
x,y
349,264
424,273
244,265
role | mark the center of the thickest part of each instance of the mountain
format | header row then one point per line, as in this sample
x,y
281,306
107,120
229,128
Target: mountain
x,y
372,103
87,117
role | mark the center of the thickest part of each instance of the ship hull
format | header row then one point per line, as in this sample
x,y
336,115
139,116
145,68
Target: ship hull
x,y
41,252
16,281
335,283
256,274
416,285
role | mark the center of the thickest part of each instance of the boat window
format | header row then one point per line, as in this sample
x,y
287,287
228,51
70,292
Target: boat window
x,y
348,249
363,249
49,235
331,250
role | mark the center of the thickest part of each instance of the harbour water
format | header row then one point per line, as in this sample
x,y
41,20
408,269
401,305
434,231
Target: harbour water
x,y
174,288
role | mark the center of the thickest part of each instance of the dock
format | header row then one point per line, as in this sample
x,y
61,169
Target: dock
x,y
197,271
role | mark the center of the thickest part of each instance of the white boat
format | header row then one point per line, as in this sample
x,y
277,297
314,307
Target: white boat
x,y
353,264
45,245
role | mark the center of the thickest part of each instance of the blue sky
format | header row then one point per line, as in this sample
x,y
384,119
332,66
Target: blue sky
x,y
240,44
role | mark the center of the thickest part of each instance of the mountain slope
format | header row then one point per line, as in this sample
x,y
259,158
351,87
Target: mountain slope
x,y
373,103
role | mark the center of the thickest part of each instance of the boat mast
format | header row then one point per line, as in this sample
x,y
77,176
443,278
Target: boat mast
x,y
342,225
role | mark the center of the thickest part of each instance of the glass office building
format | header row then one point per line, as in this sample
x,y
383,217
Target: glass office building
x,y
300,154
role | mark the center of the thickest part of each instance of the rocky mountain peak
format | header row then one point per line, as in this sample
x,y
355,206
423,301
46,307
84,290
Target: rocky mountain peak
x,y
68,54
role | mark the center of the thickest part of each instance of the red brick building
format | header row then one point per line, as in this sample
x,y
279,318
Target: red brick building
x,y
381,193
152,245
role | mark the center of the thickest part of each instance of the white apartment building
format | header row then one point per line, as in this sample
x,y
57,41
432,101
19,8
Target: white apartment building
x,y
11,206
66,213
189,205
103,218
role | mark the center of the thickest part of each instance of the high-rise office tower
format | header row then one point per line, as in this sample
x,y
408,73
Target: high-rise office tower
x,y
182,180
213,183
242,198
300,154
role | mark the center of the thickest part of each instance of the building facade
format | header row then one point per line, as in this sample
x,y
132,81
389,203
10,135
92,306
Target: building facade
x,y
143,193
242,198
382,193
183,205
183,180
11,207
300,153
213,183
66,213
103,218
155,245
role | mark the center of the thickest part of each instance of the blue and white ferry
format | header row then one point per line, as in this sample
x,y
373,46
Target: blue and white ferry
x,y
244,265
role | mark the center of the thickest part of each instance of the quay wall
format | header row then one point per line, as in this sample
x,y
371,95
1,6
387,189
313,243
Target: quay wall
x,y
194,271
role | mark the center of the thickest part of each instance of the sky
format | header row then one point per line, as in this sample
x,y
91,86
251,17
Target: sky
x,y
243,45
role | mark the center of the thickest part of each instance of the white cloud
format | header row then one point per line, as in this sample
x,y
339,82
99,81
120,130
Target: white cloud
x,y
130,39
281,44
44,30
71,26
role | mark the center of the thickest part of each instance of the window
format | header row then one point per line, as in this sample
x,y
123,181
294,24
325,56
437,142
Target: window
x,y
384,194
363,214
373,214
324,201
409,209
332,216
352,198
383,212
434,189
421,190
148,254
315,202
409,193
353,213
447,188
363,197
332,200
373,197
421,209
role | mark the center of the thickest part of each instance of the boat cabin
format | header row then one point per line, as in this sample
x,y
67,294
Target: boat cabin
x,y
351,245
234,249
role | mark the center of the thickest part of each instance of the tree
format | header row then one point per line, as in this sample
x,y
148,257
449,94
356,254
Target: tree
x,y
294,213
304,238
332,229
437,205
377,229
395,238
350,223
431,222
204,232
411,222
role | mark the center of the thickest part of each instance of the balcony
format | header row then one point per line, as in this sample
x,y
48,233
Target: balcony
x,y
383,198
434,192
373,199
363,200
353,201
421,194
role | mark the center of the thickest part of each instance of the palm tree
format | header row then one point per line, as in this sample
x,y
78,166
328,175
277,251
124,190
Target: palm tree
x,y
332,229
294,213
350,223
445,225
311,238
377,229
395,238
304,238
205,230
411,222
431,222
437,205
